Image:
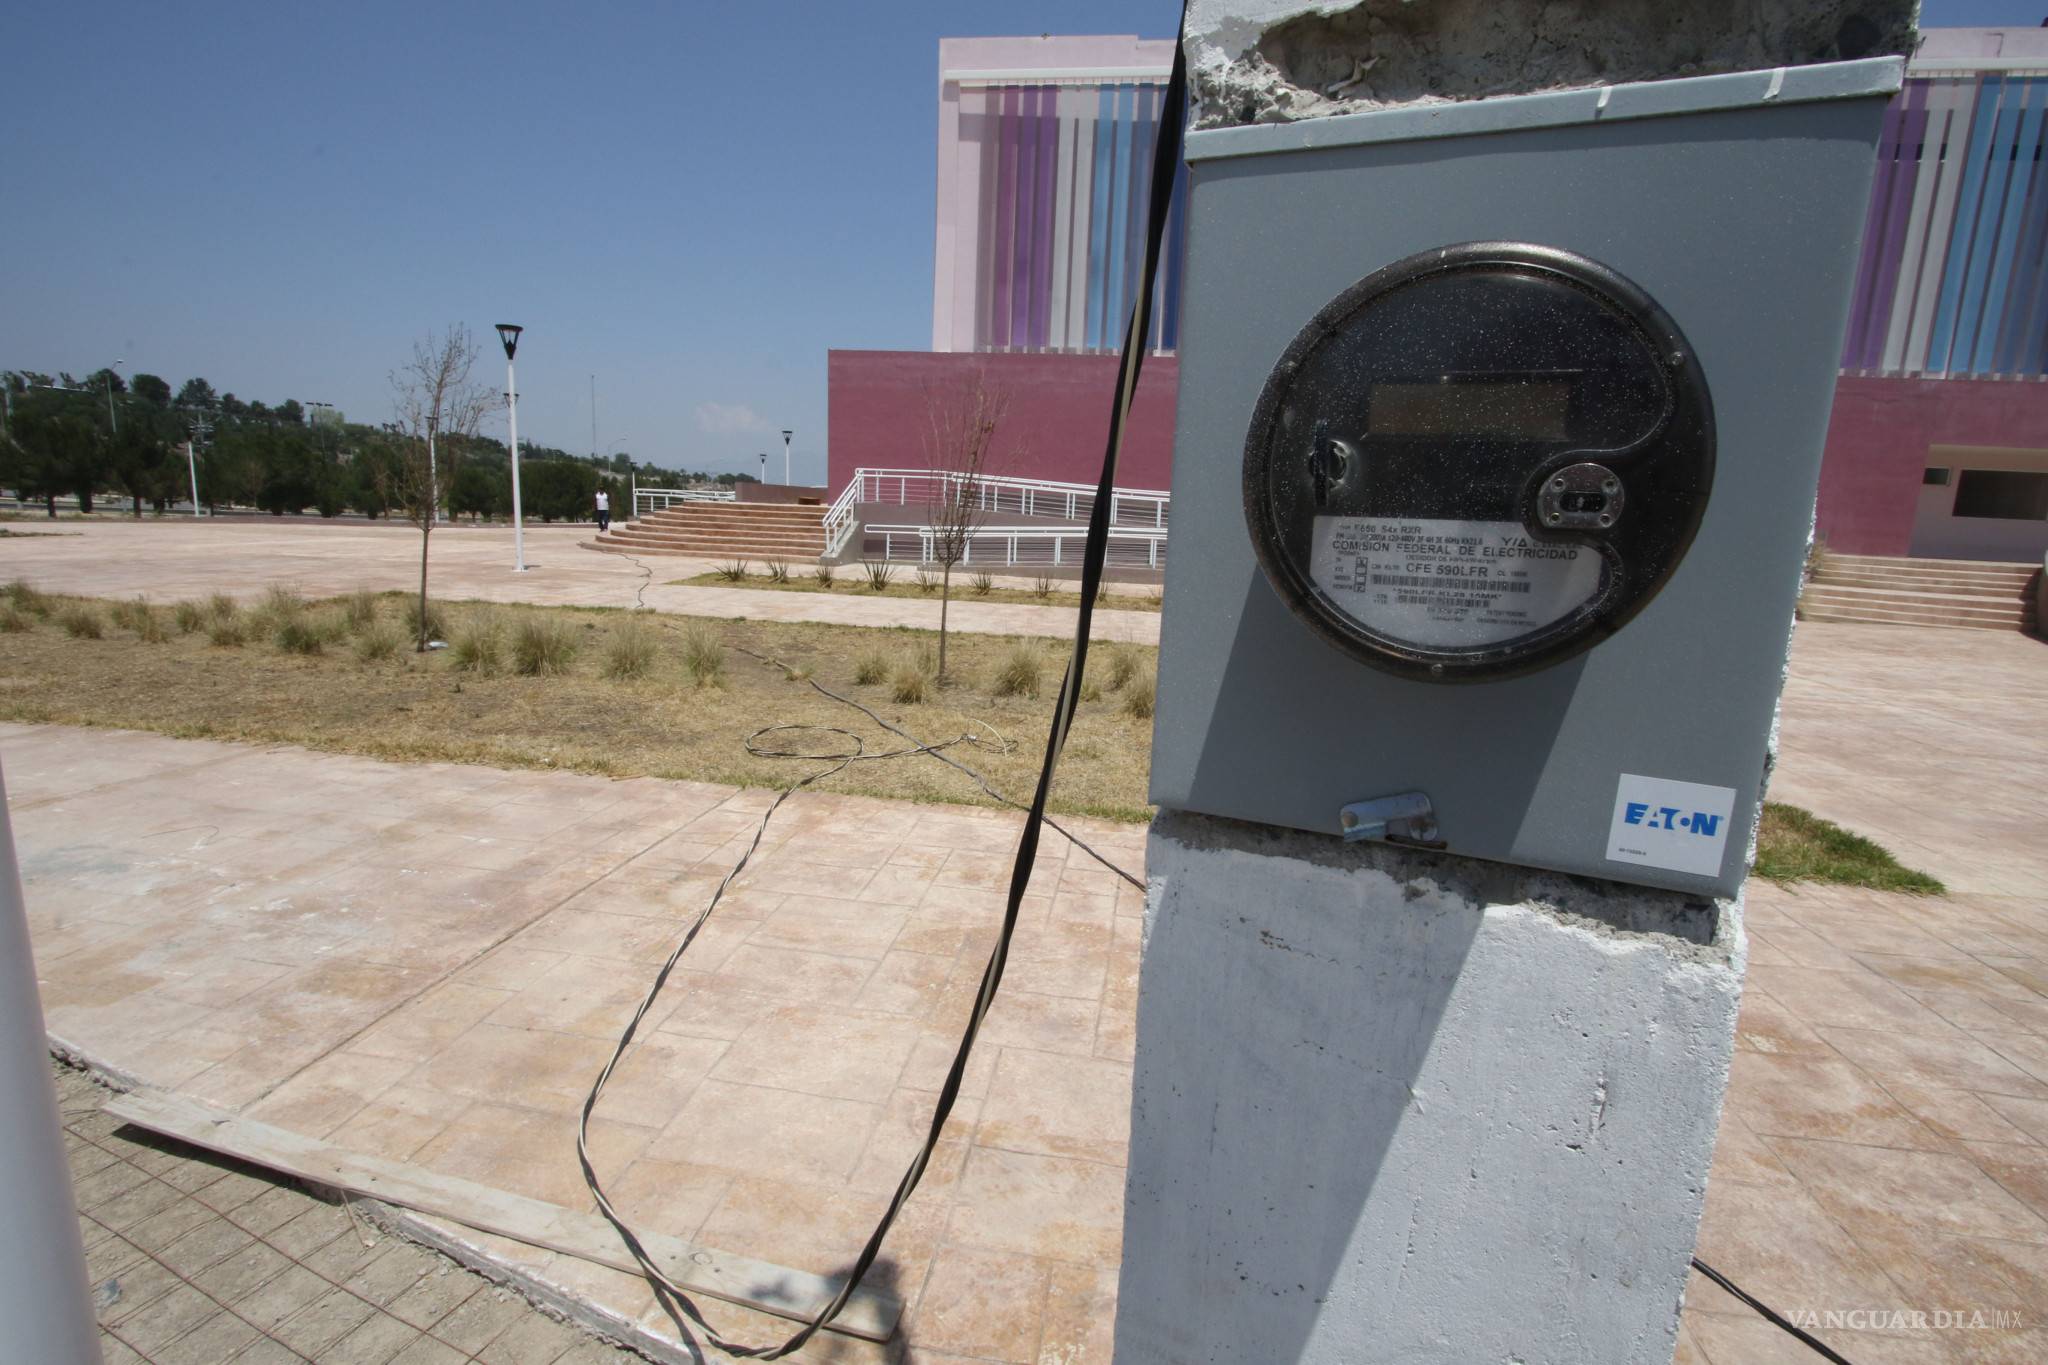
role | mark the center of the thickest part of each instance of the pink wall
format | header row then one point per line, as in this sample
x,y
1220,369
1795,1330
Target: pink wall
x,y
1059,416
1877,448
1055,427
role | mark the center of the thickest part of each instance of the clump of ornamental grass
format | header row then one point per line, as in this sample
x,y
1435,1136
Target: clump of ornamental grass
x,y
926,580
81,622
870,668
983,584
360,609
1138,697
542,647
778,571
910,684
825,573
1019,673
189,615
879,572
703,655
1119,666
476,647
629,653
281,600
26,599
436,623
1041,586
377,641
298,633
733,571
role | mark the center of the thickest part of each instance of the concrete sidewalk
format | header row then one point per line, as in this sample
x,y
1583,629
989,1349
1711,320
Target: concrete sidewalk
x,y
164,560
426,962
430,963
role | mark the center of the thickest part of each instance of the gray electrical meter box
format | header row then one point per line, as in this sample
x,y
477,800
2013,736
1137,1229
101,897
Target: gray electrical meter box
x,y
1499,428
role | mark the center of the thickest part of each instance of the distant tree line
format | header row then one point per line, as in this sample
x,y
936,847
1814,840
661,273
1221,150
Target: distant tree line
x,y
99,436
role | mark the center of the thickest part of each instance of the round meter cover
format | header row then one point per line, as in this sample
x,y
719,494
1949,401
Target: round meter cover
x,y
1479,461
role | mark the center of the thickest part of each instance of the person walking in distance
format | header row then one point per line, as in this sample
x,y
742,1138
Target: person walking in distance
x,y
604,510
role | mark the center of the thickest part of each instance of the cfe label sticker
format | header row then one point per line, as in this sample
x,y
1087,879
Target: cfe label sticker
x,y
1441,583
1678,826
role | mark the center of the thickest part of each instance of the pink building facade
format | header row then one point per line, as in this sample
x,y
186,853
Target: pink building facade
x,y
1939,444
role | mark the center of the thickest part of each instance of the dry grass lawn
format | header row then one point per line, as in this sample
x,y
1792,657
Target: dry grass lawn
x,y
616,692
147,672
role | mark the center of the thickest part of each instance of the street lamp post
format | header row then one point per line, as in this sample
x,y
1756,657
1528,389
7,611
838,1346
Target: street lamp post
x,y
113,427
200,427
764,467
785,455
509,334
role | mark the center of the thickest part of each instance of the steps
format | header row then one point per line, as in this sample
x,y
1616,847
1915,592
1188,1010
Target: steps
x,y
722,530
1965,593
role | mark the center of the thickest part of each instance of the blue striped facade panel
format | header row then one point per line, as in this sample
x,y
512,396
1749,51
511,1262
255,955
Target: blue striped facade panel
x,y
1062,214
1954,275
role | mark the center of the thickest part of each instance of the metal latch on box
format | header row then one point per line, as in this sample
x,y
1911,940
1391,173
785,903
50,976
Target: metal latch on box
x,y
1405,818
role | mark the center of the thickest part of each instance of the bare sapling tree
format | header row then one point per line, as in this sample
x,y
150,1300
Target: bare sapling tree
x,y
960,435
435,398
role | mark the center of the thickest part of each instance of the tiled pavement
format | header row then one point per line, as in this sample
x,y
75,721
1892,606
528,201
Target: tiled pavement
x,y
1885,1140
429,963
169,559
196,1260
425,962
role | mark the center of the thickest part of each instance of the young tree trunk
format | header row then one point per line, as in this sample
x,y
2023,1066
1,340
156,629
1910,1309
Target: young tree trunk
x,y
426,530
50,501
138,505
945,601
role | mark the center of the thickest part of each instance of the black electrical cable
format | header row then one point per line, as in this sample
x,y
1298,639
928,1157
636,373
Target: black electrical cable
x,y
937,751
1769,1314
674,1299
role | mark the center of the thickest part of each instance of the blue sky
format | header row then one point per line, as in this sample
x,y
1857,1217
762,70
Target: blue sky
x,y
692,201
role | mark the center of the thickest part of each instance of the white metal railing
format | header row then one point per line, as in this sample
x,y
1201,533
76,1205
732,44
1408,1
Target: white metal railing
x,y
1011,547
994,493
658,499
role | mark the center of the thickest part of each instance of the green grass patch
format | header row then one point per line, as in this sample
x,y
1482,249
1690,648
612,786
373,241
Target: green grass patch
x,y
1796,845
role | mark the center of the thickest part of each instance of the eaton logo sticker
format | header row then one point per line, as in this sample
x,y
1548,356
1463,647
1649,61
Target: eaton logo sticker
x,y
1678,826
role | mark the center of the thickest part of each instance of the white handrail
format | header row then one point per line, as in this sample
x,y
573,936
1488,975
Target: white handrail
x,y
1015,546
839,519
658,499
995,493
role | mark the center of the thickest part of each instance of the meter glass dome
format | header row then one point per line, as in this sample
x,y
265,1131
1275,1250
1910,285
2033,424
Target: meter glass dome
x,y
1479,461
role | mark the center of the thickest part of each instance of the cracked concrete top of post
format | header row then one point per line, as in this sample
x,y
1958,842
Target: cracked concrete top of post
x,y
1277,61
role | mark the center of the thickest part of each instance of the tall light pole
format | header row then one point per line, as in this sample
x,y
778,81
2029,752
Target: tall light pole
x,y
509,334
112,426
200,428
764,468
785,454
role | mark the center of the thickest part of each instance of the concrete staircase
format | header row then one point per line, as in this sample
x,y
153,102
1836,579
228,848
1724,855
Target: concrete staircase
x,y
722,530
1922,592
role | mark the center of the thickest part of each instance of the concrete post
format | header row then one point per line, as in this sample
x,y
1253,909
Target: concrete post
x,y
1394,1105
44,1298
